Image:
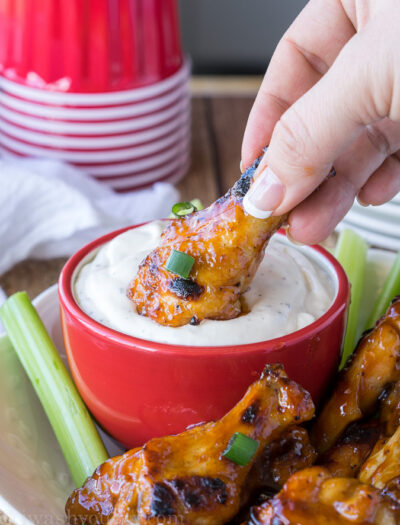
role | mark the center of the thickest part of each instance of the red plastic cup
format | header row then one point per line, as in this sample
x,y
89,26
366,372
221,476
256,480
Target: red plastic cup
x,y
89,46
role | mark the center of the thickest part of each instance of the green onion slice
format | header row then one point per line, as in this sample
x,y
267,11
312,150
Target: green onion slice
x,y
180,209
197,204
240,449
180,263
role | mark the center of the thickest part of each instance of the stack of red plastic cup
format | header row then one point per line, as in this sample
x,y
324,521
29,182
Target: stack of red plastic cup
x,y
101,84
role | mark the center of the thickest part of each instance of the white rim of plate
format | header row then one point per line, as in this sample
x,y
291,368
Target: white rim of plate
x,y
96,156
384,211
125,168
139,177
95,99
383,241
96,143
134,182
97,128
374,224
61,113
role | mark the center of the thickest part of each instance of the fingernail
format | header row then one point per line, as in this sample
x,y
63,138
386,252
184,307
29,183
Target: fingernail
x,y
362,203
264,195
241,167
290,238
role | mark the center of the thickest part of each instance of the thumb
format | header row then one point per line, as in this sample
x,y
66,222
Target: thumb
x,y
321,124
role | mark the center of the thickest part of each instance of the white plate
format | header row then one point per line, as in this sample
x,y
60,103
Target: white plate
x,y
374,223
376,239
34,481
96,99
388,211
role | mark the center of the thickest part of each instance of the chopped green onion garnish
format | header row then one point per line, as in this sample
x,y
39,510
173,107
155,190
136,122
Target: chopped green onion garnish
x,y
79,440
351,252
180,209
390,290
180,263
197,204
241,449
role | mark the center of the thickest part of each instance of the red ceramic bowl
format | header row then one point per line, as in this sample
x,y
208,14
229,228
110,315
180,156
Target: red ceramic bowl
x,y
89,46
140,389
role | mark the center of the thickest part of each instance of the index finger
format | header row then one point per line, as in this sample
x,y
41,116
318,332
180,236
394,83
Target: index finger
x,y
306,51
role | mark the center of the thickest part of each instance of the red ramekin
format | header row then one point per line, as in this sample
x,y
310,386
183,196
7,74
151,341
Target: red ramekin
x,y
138,389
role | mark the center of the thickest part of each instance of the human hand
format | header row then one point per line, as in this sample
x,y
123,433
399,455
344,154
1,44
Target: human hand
x,y
331,96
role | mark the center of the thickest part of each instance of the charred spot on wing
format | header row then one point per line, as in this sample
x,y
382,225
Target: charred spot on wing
x,y
250,414
200,492
162,502
185,288
275,370
243,184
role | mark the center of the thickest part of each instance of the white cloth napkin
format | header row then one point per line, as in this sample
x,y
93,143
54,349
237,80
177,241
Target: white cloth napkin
x,y
49,209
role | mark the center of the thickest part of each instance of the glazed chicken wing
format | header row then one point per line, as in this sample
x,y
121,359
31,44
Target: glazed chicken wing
x,y
291,452
374,366
227,245
384,465
347,456
186,478
313,497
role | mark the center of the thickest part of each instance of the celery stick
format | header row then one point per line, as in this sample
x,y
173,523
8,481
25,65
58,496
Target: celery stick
x,y
75,431
351,252
390,289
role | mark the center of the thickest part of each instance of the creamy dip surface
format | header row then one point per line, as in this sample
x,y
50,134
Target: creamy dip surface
x,y
289,291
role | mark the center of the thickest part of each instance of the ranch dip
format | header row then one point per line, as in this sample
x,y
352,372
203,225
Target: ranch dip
x,y
289,291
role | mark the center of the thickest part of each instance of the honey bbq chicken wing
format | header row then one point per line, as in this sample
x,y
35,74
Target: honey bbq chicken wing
x,y
374,366
314,497
186,478
227,246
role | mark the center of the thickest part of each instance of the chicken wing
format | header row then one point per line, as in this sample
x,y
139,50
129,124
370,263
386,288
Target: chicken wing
x,y
186,478
384,465
374,366
227,245
347,456
313,497
390,409
291,452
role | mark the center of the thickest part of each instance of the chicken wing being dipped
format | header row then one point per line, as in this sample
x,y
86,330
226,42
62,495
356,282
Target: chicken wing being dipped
x,y
187,478
374,366
314,497
225,245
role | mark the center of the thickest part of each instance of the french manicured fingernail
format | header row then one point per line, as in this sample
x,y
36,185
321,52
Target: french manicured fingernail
x,y
264,195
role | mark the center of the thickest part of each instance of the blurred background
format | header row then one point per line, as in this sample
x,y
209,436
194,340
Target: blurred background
x,y
234,37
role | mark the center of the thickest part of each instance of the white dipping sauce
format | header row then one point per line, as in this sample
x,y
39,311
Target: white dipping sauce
x,y
289,291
